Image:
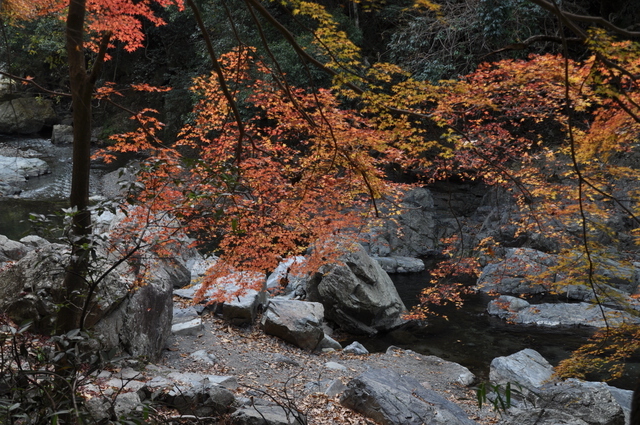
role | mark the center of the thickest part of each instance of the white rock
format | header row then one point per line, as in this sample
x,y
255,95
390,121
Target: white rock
x,y
526,368
192,327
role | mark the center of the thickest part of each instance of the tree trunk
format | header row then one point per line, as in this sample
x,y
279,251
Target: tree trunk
x,y
635,406
82,84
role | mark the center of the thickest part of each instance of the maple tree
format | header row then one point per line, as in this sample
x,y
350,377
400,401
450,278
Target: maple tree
x,y
102,22
265,169
501,119
295,171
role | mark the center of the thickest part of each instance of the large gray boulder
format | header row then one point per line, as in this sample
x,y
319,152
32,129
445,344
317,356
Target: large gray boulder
x,y
543,399
140,323
357,293
26,115
526,368
594,404
297,322
28,286
572,402
393,399
23,167
132,318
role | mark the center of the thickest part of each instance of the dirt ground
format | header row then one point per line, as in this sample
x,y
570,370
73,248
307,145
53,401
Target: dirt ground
x,y
267,367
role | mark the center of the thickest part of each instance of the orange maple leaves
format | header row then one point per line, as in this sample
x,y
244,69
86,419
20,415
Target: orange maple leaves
x,y
305,174
122,18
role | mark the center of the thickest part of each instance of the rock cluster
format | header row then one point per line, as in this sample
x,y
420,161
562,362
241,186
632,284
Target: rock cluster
x,y
539,398
124,316
526,271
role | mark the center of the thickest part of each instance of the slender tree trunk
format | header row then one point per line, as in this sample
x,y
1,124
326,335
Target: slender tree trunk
x,y
635,406
82,84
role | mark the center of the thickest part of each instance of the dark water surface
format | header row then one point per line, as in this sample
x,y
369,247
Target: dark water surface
x,y
14,215
473,338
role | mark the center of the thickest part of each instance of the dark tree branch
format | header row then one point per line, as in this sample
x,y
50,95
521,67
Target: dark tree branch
x,y
221,78
529,41
102,51
569,18
33,83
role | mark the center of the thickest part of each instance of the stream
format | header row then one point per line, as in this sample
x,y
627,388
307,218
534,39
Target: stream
x,y
469,336
43,195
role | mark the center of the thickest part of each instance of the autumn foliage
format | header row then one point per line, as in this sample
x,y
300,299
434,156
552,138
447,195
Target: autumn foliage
x,y
122,18
264,170
304,169
304,173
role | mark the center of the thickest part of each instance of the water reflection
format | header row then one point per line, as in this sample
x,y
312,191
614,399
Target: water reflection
x,y
14,215
473,338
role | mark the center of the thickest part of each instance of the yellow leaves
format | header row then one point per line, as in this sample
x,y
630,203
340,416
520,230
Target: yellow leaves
x,y
18,9
428,5
606,352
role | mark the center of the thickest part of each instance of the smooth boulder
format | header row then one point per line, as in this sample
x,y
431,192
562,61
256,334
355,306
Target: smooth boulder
x,y
357,293
527,368
297,322
540,398
26,115
15,171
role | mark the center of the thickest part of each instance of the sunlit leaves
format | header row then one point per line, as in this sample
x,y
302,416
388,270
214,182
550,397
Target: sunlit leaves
x,y
607,352
122,18
17,9
306,172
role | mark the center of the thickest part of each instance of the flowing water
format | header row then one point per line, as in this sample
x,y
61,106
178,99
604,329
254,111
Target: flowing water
x,y
44,195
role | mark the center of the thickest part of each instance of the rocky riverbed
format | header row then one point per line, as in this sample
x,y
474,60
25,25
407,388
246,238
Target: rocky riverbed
x,y
265,365
242,374
269,368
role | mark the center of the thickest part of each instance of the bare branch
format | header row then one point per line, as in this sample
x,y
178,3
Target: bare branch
x,y
33,83
529,41
570,18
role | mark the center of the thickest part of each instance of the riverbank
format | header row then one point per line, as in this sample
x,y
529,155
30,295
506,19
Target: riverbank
x,y
267,367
